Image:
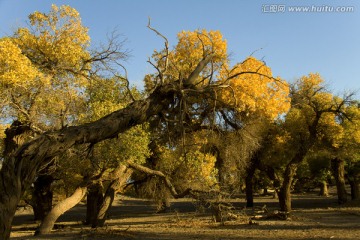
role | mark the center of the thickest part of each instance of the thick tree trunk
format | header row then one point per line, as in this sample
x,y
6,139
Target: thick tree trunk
x,y
337,166
265,191
123,175
249,191
11,180
249,182
10,193
249,185
355,188
93,202
42,196
291,168
270,172
284,196
49,221
219,165
282,189
324,191
285,189
104,208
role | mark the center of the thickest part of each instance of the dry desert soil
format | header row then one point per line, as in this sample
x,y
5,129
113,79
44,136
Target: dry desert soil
x,y
314,217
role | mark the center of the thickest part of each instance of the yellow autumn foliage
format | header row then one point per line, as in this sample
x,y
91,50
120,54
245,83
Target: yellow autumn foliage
x,y
194,45
254,90
188,165
310,99
352,128
57,41
15,68
345,134
191,48
44,68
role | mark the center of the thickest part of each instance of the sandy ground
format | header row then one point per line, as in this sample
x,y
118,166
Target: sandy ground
x,y
313,217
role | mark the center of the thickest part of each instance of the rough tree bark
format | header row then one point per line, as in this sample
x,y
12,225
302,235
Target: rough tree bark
x,y
305,144
338,169
353,175
94,199
219,165
291,168
249,189
42,196
285,189
49,221
20,168
122,176
337,166
9,196
355,188
250,171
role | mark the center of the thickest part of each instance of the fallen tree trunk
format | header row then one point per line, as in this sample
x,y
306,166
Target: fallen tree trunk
x,y
160,174
20,168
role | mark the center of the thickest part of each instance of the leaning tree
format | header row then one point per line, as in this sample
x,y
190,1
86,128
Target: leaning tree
x,y
192,84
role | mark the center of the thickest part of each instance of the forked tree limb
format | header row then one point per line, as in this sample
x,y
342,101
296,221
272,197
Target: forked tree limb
x,y
160,174
195,194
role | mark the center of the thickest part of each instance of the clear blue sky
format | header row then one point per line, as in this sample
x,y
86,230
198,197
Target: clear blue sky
x,y
293,44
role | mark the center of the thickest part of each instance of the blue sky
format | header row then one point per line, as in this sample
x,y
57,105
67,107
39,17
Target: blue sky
x,y
292,44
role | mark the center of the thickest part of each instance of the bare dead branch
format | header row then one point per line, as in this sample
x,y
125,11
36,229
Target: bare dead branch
x,y
203,44
196,194
166,57
127,84
259,49
149,171
160,74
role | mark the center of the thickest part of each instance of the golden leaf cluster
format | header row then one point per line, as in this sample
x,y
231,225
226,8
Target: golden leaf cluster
x,y
15,68
253,90
57,41
43,68
191,48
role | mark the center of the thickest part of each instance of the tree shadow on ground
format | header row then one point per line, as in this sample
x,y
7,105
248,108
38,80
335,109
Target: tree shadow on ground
x,y
314,217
